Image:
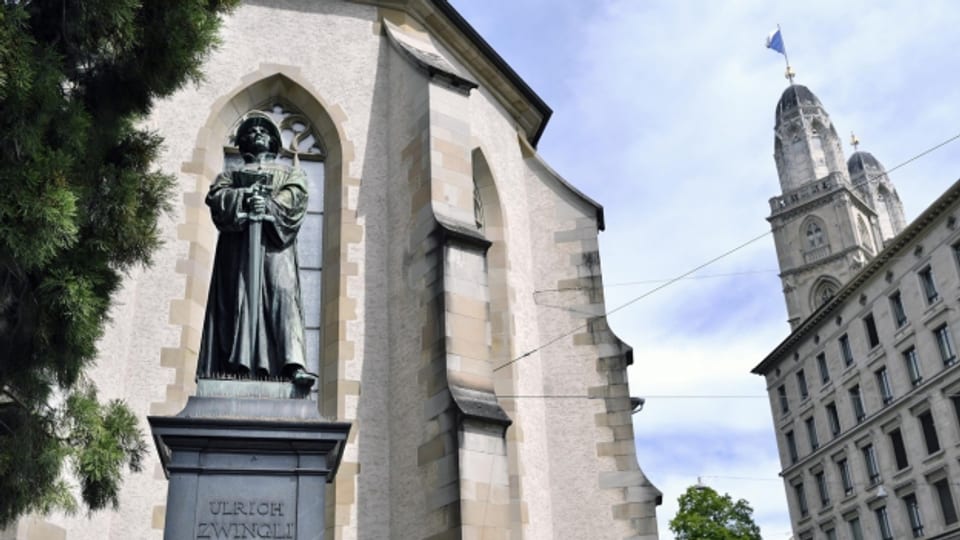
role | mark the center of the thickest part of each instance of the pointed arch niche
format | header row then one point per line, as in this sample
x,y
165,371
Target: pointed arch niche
x,y
322,147
489,219
822,291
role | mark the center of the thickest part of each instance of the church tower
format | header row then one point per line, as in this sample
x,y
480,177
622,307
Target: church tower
x,y
831,216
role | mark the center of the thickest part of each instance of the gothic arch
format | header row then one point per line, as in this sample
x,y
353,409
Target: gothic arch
x,y
864,232
824,288
491,223
813,232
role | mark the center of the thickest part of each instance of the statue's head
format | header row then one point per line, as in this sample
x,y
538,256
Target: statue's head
x,y
258,134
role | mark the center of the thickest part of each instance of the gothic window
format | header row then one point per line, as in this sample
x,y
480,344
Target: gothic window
x,y
302,147
477,205
864,233
815,236
823,291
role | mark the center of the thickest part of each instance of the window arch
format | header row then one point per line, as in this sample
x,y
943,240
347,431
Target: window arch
x,y
814,232
865,235
822,291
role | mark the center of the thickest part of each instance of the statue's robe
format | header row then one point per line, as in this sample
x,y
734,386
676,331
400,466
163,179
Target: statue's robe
x,y
279,346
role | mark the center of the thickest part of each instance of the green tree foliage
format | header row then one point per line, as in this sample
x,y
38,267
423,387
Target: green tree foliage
x,y
706,515
79,205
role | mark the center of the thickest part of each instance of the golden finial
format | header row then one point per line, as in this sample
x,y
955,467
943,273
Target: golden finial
x,y
790,74
854,141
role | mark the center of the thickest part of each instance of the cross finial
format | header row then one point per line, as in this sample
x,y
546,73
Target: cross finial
x,y
790,74
854,141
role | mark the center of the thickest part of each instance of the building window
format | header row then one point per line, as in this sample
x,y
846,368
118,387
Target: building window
x,y
913,366
955,399
899,450
856,401
845,351
896,306
871,328
812,433
947,508
864,233
784,403
477,206
814,235
822,366
928,284
883,523
956,253
802,385
945,345
870,463
913,514
846,478
822,489
801,499
791,446
856,533
883,385
831,534
833,419
929,432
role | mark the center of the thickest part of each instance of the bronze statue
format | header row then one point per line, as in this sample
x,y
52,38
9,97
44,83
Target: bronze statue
x,y
253,327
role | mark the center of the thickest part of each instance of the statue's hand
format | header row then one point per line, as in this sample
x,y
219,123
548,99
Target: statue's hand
x,y
256,203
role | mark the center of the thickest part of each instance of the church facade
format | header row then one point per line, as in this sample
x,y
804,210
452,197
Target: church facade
x,y
476,411
865,391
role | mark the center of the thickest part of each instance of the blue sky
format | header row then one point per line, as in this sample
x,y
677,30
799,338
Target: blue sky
x,y
663,112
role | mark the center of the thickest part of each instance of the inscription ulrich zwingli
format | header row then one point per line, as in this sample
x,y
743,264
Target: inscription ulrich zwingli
x,y
246,519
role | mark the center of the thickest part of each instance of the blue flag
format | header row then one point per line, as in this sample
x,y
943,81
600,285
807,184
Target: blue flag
x,y
775,42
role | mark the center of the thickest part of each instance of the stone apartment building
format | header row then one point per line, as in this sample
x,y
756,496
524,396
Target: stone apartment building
x,y
865,391
432,221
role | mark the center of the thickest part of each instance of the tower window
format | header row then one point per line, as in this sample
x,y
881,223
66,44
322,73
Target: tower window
x,y
814,235
864,233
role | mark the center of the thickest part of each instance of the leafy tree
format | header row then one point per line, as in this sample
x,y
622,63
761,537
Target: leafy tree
x,y
79,205
706,515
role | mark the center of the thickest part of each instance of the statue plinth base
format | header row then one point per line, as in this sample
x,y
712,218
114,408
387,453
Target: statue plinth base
x,y
247,467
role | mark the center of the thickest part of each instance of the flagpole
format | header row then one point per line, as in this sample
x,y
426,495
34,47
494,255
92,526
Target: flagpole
x,y
789,74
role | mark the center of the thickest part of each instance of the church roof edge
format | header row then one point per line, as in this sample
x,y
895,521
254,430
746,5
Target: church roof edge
x,y
461,23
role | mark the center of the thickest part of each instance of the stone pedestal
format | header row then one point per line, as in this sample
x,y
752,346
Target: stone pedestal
x,y
247,467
